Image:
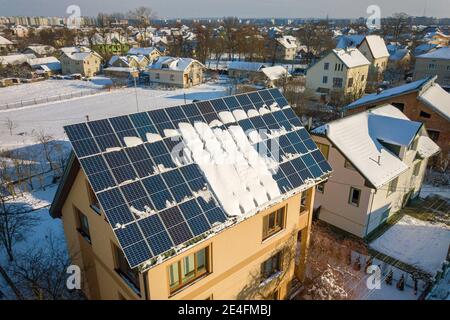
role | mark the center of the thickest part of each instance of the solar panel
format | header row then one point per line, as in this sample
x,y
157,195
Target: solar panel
x,y
155,198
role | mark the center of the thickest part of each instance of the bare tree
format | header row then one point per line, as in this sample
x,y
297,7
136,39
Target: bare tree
x,y
328,273
10,125
143,14
41,272
15,222
262,287
46,141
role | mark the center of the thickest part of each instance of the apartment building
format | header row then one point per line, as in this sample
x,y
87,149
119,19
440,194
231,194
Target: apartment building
x,y
341,74
177,203
379,158
434,63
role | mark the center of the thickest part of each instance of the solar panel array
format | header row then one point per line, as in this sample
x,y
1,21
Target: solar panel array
x,y
127,180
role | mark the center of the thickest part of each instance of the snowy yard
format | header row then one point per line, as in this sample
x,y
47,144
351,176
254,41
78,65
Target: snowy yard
x,y
46,231
418,243
51,117
47,88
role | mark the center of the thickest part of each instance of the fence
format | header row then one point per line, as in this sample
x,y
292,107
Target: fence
x,y
55,98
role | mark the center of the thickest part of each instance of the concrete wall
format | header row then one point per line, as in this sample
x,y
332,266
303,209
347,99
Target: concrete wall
x,y
236,253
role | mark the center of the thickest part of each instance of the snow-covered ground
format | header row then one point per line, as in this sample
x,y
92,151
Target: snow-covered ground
x,y
418,243
47,88
37,237
428,189
51,117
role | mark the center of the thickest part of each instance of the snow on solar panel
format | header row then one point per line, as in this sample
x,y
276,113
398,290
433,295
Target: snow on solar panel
x,y
166,176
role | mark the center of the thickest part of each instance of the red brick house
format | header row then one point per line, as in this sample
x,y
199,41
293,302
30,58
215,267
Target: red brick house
x,y
422,100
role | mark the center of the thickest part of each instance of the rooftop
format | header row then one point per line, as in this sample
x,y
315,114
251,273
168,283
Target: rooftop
x,y
441,53
168,178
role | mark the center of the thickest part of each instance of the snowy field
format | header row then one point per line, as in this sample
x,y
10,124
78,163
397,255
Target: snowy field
x,y
47,88
51,117
421,244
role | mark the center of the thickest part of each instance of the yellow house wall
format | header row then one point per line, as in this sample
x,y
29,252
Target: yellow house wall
x,y
316,73
237,252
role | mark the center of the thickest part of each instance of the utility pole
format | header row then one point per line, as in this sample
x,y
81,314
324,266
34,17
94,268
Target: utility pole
x,y
135,75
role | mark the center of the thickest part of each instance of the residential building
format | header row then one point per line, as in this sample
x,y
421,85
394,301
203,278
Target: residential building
x,y
109,44
436,62
286,48
47,66
139,62
379,158
40,51
144,221
178,72
243,70
340,75
151,53
275,76
5,45
422,100
80,60
374,49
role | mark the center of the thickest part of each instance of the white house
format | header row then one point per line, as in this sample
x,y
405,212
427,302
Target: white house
x,y
379,159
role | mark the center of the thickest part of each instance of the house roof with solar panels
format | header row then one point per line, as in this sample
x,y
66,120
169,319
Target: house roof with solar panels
x,y
169,178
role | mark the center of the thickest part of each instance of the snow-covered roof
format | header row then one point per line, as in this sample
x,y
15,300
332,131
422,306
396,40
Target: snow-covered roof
x,y
426,147
142,51
51,63
351,57
4,41
349,41
360,138
78,53
398,54
246,66
172,63
15,59
438,99
441,53
388,93
424,48
377,46
275,72
289,42
41,49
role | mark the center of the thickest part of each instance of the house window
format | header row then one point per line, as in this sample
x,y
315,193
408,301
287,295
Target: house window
x,y
362,77
188,269
271,266
434,135
431,66
273,222
157,76
416,169
83,225
131,276
93,201
326,66
355,195
304,202
424,114
172,77
337,82
400,106
324,148
350,82
321,187
325,79
392,186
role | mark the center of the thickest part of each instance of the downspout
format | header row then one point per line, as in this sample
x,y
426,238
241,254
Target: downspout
x,y
370,212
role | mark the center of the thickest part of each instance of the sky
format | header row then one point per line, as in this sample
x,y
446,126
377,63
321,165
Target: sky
x,y
222,8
